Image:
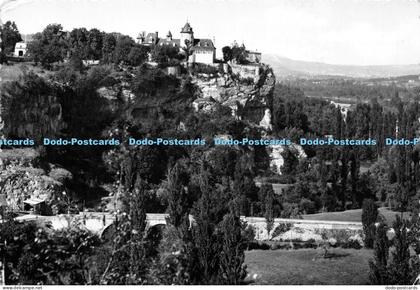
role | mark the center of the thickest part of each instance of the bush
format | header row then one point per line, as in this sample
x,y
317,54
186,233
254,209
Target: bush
x,y
249,235
258,245
307,206
350,244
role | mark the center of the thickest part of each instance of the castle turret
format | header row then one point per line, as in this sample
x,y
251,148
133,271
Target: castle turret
x,y
169,36
187,34
141,37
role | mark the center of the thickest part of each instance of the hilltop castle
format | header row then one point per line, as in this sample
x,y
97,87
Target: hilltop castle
x,y
203,50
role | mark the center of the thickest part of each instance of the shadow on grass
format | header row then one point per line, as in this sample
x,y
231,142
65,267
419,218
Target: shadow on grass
x,y
335,255
330,255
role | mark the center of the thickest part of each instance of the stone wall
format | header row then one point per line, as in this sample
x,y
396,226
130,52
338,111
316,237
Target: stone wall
x,y
304,230
246,71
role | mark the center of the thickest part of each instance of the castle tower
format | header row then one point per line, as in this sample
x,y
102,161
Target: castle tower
x,y
187,34
169,36
141,37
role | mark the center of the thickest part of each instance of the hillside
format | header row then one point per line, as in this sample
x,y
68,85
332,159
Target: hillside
x,y
285,67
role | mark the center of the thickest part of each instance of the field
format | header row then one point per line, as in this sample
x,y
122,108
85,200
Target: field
x,y
354,215
308,267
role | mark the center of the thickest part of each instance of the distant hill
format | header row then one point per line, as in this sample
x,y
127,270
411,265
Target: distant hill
x,y
285,67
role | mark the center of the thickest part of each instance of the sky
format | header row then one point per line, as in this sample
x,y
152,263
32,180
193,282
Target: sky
x,y
356,32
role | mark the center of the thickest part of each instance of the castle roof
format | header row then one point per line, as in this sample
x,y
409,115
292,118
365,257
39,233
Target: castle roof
x,y
172,42
169,34
203,44
187,28
152,35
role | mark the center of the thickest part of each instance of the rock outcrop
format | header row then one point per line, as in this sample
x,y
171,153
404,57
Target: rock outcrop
x,y
247,90
277,160
30,108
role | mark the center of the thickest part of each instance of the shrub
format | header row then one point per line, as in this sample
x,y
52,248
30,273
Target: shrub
x,y
350,244
249,235
307,206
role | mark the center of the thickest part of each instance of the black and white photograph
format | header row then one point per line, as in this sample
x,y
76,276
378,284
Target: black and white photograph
x,y
209,142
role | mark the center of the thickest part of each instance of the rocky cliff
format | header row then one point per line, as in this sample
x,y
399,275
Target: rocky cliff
x,y
29,108
247,90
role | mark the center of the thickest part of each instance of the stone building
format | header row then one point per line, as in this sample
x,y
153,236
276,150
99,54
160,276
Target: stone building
x,y
253,56
20,49
202,49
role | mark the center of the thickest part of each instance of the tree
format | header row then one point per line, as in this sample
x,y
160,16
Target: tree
x,y
78,42
38,256
291,161
400,270
166,53
179,201
49,46
188,49
401,198
208,212
127,258
227,53
3,57
138,55
10,35
176,250
267,193
245,192
94,44
122,49
369,217
232,257
76,62
239,54
109,43
378,267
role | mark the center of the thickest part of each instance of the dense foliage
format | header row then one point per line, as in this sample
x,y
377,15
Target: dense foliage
x,y
204,189
10,36
393,263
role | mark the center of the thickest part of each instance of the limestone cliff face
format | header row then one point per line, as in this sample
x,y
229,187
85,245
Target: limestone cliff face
x,y
30,108
277,160
247,90
41,118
